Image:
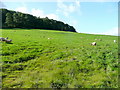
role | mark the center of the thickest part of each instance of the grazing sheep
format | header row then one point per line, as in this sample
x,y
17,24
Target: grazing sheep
x,y
99,39
2,39
49,38
6,38
93,44
114,41
8,41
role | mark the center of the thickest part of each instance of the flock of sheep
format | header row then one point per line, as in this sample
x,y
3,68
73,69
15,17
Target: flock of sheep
x,y
5,40
94,43
9,41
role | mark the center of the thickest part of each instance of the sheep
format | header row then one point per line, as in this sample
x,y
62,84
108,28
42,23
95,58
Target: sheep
x,y
99,39
6,38
8,41
114,41
49,38
3,39
93,44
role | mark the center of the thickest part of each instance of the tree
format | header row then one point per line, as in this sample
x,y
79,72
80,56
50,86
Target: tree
x,y
13,19
16,20
9,20
3,15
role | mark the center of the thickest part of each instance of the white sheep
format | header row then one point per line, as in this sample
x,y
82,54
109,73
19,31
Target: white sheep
x,y
49,38
8,41
94,43
114,41
99,39
6,38
3,39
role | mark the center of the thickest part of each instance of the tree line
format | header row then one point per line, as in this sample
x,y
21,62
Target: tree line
x,y
13,19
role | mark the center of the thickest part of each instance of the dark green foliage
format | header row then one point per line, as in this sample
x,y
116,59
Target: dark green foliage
x,y
9,20
12,19
3,12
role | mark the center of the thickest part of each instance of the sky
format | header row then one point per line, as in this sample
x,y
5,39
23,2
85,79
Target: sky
x,y
93,17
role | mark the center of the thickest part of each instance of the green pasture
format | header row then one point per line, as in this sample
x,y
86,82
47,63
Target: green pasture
x,y
58,59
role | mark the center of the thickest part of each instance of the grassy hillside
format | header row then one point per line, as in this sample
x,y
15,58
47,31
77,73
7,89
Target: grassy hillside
x,y
56,59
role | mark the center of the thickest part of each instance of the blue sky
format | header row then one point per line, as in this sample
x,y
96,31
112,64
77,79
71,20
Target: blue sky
x,y
86,17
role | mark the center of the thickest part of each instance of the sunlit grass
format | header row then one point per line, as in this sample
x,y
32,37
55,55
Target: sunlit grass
x,y
65,60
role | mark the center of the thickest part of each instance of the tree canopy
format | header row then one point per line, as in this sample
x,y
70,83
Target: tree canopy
x,y
13,19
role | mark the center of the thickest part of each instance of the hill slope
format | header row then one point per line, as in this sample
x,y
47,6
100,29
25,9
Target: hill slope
x,y
45,59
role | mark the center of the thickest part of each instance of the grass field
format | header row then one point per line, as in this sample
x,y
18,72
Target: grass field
x,y
57,59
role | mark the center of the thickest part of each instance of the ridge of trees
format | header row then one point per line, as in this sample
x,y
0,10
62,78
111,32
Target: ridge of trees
x,y
13,19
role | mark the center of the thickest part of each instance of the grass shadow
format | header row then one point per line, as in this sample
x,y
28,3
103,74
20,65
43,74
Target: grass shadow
x,y
9,43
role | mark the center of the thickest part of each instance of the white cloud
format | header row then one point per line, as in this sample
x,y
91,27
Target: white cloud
x,y
2,5
37,13
77,3
53,16
68,9
41,13
101,0
22,9
113,31
64,0
73,22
